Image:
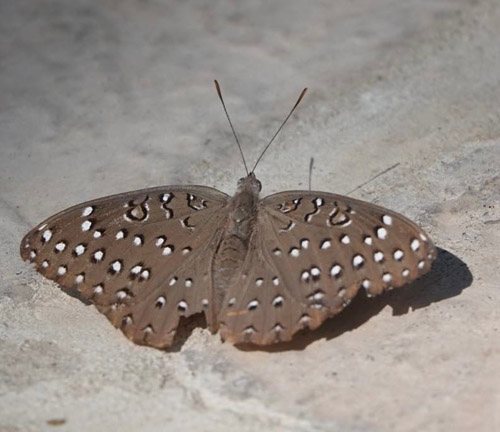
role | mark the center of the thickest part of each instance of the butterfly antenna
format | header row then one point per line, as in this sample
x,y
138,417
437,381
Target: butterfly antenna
x,y
281,127
373,178
311,166
217,86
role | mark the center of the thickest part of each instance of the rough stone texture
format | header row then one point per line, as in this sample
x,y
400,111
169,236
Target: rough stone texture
x,y
99,97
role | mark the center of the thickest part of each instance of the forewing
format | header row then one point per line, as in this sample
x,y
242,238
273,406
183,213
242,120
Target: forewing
x,y
315,250
144,257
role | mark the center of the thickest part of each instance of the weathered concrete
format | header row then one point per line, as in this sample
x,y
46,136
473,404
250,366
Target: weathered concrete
x,y
103,97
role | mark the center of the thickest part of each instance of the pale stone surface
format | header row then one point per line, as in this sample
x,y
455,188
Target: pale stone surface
x,y
109,96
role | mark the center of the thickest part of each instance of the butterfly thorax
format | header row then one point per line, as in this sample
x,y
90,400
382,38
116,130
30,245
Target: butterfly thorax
x,y
233,247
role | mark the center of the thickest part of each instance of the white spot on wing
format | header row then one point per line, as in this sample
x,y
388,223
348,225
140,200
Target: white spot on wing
x,y
345,239
366,284
253,305
61,271
80,249
358,261
47,235
249,330
315,271
386,219
318,296
121,294
278,301
304,319
398,254
378,256
136,269
160,302
326,244
86,225
277,328
87,211
335,270
381,233
116,266
98,255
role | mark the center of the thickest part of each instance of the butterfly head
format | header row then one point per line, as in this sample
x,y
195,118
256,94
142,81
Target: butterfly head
x,y
249,183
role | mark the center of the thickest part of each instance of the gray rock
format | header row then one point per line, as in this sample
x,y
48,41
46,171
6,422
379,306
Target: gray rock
x,y
100,98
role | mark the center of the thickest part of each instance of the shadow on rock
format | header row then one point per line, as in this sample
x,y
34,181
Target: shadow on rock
x,y
448,277
73,292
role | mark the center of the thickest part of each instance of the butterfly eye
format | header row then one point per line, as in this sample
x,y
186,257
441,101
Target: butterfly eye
x,y
259,185
241,181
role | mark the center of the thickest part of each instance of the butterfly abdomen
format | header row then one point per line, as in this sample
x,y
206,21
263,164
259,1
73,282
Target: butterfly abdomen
x,y
233,247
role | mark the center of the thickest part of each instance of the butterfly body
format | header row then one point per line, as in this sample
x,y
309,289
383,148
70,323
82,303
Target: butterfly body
x,y
233,247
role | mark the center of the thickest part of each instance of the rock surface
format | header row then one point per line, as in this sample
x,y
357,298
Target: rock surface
x,y
104,97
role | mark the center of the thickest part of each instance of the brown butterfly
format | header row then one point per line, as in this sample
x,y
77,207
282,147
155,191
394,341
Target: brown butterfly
x,y
259,270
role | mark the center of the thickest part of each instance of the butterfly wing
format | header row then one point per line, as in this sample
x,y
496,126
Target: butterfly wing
x,y
309,255
141,257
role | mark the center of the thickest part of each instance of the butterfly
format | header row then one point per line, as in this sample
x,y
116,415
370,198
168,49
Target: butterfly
x,y
259,270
